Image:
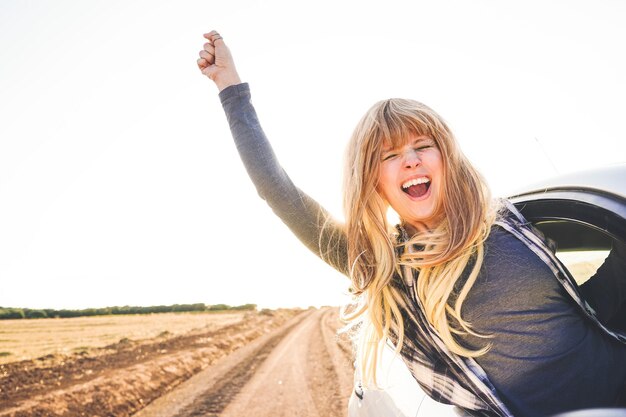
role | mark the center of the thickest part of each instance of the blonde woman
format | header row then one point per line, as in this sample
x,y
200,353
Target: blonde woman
x,y
480,310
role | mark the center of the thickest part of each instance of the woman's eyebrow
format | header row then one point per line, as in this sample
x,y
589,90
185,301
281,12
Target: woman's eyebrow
x,y
391,148
422,139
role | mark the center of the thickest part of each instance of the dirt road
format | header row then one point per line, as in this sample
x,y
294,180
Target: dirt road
x,y
302,369
283,363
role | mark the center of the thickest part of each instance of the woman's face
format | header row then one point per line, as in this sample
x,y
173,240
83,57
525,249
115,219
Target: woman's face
x,y
411,180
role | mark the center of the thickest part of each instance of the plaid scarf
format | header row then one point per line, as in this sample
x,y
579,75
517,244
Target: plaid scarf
x,y
452,379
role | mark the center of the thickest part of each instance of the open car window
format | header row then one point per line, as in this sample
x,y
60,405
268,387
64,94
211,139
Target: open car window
x,y
581,248
582,264
588,228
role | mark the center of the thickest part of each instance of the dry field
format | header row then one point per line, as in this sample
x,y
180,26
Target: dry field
x,y
153,355
28,339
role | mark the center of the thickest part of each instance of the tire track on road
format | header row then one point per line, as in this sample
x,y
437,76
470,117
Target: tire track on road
x,y
331,386
341,352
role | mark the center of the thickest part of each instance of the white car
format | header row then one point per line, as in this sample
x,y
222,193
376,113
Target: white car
x,y
583,213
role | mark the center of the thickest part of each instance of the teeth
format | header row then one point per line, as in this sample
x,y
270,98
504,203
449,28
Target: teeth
x,y
416,181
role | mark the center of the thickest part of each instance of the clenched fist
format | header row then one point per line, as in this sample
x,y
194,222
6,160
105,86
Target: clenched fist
x,y
217,63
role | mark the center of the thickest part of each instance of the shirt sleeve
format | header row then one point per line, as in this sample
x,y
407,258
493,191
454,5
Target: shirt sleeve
x,y
606,290
306,218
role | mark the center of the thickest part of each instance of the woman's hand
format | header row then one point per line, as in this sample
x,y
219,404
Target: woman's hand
x,y
217,63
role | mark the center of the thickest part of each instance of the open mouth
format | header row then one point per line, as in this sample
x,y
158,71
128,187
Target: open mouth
x,y
416,187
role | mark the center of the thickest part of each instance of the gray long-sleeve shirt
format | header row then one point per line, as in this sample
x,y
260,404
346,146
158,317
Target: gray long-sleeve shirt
x,y
546,357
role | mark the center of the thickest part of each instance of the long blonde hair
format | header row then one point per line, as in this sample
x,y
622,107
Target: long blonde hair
x,y
466,217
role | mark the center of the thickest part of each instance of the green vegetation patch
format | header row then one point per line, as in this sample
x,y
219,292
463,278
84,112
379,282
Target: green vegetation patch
x,y
27,313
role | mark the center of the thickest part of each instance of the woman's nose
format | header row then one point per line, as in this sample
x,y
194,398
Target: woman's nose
x,y
411,159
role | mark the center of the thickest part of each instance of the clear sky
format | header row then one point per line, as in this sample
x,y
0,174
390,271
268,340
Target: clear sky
x,y
119,182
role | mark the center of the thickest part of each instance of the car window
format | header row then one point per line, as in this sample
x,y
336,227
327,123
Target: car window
x,y
580,247
582,264
597,261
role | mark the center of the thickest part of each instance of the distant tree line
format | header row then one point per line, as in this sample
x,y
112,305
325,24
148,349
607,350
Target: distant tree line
x,y
27,313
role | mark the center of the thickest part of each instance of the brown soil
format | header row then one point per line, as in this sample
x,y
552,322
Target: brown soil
x,y
123,378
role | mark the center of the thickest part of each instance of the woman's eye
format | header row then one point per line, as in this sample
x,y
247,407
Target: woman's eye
x,y
389,156
423,147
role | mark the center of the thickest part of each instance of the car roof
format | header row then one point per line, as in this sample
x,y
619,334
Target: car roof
x,y
610,179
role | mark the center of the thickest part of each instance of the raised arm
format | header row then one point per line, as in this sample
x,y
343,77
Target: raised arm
x,y
310,222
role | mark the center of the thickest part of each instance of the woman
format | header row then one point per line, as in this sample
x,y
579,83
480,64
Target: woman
x,y
493,323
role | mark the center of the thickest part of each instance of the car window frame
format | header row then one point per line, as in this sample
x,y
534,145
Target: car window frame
x,y
597,209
